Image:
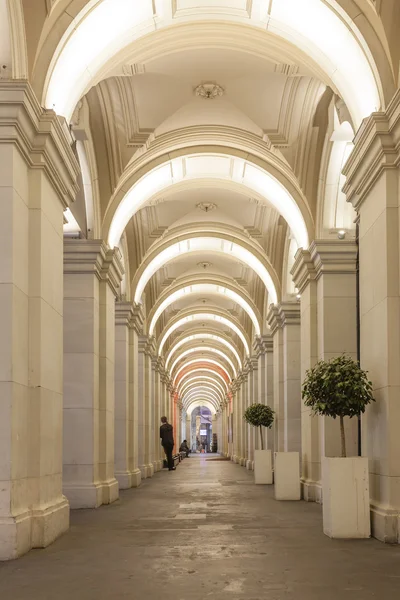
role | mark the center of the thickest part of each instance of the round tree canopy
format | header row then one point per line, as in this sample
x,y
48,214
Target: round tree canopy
x,y
259,415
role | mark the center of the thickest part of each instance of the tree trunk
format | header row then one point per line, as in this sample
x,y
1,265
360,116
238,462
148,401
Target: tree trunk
x,y
343,437
261,436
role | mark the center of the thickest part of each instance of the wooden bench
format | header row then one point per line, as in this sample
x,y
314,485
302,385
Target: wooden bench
x,y
176,458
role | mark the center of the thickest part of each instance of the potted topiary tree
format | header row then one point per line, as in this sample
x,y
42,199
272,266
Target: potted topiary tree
x,y
340,388
260,416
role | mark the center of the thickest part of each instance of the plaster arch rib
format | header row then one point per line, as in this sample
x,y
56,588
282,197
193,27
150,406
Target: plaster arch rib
x,y
224,239
250,168
197,335
116,24
190,285
190,316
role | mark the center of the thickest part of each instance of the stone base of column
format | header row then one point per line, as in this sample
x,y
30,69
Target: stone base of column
x,y
128,479
385,524
235,459
136,478
157,466
311,491
33,529
92,495
147,471
250,465
242,462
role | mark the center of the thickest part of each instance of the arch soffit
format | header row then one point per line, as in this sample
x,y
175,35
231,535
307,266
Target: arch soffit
x,y
200,392
200,384
188,282
206,315
200,381
204,370
207,350
285,20
218,231
194,362
266,178
200,333
196,403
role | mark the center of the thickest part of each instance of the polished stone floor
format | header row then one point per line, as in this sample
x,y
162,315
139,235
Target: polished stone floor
x,y
203,531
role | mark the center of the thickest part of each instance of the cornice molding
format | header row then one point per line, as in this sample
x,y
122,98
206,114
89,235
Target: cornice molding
x,y
263,344
283,315
123,313
39,136
376,149
84,257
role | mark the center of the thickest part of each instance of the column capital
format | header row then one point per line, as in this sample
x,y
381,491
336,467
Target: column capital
x,y
137,320
85,257
262,344
334,257
40,137
376,149
303,270
282,315
123,313
324,257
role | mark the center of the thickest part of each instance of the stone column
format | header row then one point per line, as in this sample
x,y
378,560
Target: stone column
x,y
284,321
126,468
263,348
157,413
372,186
188,430
234,421
136,328
38,174
92,274
326,278
141,426
148,411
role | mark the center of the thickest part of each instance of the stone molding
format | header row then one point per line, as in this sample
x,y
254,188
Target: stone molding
x,y
283,315
324,257
123,313
86,257
138,318
39,136
262,344
376,149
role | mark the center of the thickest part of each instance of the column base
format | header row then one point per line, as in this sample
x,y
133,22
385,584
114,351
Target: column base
x,y
242,462
92,495
385,524
250,465
147,471
157,465
311,491
128,479
150,470
235,459
136,478
33,529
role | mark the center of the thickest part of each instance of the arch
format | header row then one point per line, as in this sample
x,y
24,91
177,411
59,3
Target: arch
x,y
201,392
204,350
226,170
204,288
199,380
211,315
200,397
206,361
104,28
228,243
200,383
197,403
203,371
206,366
201,335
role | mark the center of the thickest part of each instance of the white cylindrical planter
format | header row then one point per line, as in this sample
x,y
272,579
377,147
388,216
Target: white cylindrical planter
x,y
345,497
263,466
287,476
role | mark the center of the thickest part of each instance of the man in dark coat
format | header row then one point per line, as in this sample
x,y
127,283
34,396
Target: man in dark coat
x,y
167,441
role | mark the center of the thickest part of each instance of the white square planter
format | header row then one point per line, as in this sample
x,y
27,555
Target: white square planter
x,y
287,476
345,497
263,466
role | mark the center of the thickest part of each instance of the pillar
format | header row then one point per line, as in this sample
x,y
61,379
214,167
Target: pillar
x,y
38,174
326,278
92,274
372,186
135,330
126,468
142,341
284,322
149,462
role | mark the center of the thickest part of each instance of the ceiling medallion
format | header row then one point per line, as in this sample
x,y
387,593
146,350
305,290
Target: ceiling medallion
x,y
208,91
204,264
206,206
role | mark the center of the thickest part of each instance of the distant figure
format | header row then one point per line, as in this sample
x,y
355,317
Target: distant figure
x,y
167,441
185,448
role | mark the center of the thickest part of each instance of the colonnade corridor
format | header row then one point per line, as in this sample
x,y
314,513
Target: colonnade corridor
x,y
203,531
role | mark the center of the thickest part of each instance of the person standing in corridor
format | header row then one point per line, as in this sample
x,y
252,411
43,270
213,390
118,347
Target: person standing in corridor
x,y
167,441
